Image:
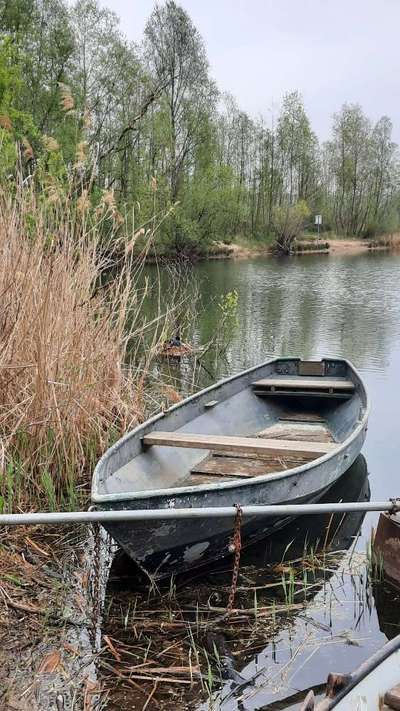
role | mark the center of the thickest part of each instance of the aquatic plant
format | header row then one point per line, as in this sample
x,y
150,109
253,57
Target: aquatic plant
x,y
69,315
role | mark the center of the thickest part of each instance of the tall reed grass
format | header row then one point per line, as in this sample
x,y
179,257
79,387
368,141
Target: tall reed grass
x,y
65,392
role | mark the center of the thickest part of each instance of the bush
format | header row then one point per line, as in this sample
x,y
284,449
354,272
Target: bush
x,y
288,222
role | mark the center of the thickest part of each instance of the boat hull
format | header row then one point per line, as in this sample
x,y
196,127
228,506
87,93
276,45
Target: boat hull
x,y
172,547
132,477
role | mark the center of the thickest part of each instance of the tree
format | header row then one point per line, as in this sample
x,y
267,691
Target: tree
x,y
15,124
177,60
159,134
384,179
46,48
361,176
350,151
298,148
288,222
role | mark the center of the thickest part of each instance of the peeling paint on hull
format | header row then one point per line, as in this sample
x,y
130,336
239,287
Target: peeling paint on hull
x,y
175,556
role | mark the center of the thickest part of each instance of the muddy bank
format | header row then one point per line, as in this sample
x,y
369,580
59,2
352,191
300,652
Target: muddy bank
x,y
50,601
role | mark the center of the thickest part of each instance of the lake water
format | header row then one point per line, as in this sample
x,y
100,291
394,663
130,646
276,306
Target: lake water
x,y
310,306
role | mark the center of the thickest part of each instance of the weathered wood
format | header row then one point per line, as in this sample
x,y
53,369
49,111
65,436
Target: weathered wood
x,y
311,367
304,416
304,383
300,431
222,466
221,473
242,444
302,394
200,479
269,456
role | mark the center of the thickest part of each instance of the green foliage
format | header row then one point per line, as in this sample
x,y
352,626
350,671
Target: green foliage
x,y
15,124
90,114
49,490
288,221
228,306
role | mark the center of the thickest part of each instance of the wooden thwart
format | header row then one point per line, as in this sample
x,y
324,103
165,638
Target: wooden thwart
x,y
252,445
304,383
326,394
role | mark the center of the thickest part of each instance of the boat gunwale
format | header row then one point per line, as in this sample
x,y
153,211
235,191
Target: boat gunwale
x,y
122,496
362,672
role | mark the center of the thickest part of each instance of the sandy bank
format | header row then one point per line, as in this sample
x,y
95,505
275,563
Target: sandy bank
x,y
336,247
349,246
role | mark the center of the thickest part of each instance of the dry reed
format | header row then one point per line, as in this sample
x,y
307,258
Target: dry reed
x,y
64,390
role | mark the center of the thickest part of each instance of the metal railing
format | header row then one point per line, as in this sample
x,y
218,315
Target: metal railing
x,y
92,516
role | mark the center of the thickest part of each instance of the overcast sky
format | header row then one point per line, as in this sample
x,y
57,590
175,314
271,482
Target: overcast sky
x,y
333,51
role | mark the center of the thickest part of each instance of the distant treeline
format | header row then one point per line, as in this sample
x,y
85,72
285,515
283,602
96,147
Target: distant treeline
x,y
146,129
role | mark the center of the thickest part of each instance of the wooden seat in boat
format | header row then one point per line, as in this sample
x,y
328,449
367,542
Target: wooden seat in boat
x,y
238,465
304,386
244,445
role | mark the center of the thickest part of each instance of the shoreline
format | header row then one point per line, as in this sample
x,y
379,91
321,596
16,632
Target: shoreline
x,y
333,247
330,247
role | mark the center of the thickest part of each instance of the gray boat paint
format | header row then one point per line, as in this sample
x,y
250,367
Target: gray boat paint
x,y
127,477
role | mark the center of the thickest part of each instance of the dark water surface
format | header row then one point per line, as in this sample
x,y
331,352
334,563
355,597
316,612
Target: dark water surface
x,y
310,307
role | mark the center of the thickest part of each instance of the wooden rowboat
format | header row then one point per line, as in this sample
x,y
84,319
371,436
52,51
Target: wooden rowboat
x,y
282,432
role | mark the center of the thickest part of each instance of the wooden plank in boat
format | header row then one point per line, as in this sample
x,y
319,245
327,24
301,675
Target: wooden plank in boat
x,y
240,467
305,416
302,393
311,367
227,467
291,458
200,479
305,383
300,431
242,444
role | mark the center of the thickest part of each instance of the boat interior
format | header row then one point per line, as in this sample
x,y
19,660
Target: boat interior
x,y
271,419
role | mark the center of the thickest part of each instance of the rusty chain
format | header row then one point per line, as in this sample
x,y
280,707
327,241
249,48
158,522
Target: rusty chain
x,y
235,547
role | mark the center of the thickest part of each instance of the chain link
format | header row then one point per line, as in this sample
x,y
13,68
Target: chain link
x,y
236,547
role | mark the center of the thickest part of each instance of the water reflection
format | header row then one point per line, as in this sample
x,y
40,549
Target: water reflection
x,y
387,602
300,306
